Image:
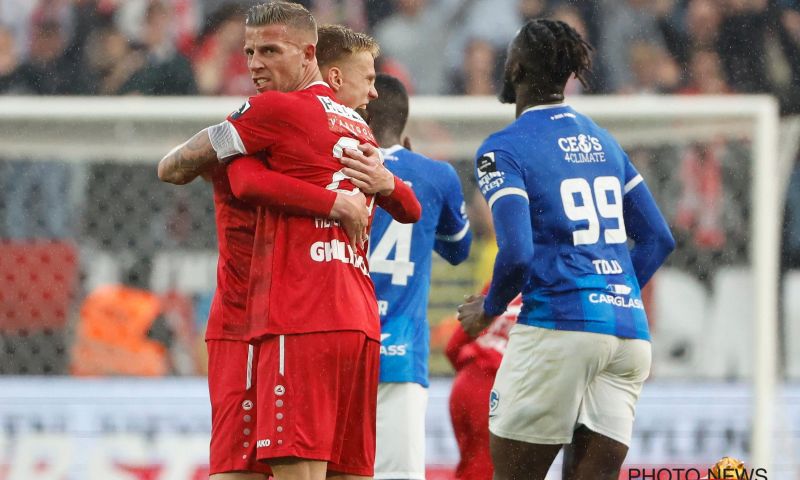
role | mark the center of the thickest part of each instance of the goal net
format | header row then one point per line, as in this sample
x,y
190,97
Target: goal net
x,y
85,226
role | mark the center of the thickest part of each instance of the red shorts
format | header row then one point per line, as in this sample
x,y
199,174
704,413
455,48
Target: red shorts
x,y
469,412
317,396
233,407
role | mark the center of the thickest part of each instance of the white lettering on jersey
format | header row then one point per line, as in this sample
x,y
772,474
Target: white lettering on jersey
x,y
616,300
392,350
263,443
338,250
383,307
582,149
337,108
607,267
326,223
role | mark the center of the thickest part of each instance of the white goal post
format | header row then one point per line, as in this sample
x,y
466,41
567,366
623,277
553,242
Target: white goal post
x,y
142,129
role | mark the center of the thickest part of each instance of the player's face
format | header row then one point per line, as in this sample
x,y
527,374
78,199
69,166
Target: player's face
x,y
275,56
358,81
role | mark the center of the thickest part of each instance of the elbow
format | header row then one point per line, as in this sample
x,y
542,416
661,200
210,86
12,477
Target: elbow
x,y
167,175
461,253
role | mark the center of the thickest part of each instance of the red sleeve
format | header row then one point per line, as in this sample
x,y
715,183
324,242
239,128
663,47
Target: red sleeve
x,y
459,340
251,181
402,204
255,121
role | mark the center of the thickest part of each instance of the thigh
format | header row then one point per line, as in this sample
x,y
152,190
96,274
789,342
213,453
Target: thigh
x,y
231,386
537,394
298,396
356,418
609,405
400,449
515,460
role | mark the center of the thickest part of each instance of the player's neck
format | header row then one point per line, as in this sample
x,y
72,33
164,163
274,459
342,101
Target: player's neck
x,y
528,97
310,76
387,140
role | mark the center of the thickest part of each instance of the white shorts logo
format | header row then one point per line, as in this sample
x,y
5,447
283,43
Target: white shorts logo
x,y
494,402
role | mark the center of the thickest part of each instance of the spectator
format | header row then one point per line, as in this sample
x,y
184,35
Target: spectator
x,y
479,73
742,44
351,13
9,61
705,76
49,70
167,71
220,66
653,70
111,61
626,23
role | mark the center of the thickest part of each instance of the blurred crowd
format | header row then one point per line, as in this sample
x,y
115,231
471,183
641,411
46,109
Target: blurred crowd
x,y
176,47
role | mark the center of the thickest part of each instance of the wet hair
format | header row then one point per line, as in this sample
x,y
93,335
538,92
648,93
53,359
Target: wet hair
x,y
336,42
388,114
281,13
553,51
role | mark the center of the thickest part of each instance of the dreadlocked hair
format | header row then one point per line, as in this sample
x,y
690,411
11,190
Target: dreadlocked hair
x,y
557,50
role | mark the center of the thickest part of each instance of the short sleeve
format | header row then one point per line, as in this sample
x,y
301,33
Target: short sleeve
x,y
254,123
453,223
632,176
499,173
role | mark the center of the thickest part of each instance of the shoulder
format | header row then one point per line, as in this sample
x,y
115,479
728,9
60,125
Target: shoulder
x,y
503,141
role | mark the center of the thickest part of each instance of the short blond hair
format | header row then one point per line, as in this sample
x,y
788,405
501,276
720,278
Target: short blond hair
x,y
335,42
280,12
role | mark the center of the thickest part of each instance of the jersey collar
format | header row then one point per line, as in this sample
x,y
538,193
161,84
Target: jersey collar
x,y
394,148
314,84
544,107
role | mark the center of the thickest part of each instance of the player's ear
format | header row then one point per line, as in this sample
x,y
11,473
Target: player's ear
x,y
334,78
309,54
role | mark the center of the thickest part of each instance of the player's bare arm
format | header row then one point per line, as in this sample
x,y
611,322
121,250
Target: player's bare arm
x,y
472,316
189,160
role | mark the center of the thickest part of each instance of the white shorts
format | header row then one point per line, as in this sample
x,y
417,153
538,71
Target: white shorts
x,y
552,381
400,449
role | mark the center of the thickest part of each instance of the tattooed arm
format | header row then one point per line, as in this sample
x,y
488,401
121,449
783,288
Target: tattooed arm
x,y
188,160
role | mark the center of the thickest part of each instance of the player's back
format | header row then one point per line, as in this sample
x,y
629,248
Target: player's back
x,y
400,261
313,279
574,175
235,221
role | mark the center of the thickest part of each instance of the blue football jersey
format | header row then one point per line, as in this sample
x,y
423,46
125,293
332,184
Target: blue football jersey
x,y
400,261
574,176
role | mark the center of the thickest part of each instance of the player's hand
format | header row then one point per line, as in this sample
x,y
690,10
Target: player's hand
x,y
471,315
366,171
353,214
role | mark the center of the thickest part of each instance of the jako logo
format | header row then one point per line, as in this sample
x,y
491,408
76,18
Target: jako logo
x,y
263,443
338,250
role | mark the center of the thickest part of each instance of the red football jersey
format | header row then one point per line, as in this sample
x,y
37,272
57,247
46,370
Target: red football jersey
x,y
236,223
305,277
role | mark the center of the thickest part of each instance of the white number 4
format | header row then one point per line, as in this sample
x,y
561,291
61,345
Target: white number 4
x,y
397,237
591,206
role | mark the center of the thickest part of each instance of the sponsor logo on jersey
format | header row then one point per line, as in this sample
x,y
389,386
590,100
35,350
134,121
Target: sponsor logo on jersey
x,y
488,176
616,300
582,149
619,289
338,250
263,443
392,350
345,120
487,164
242,109
494,402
